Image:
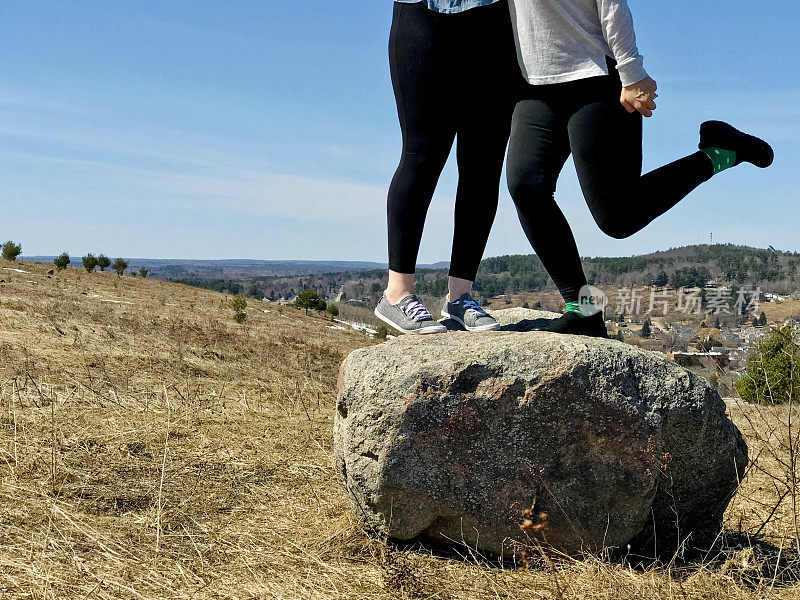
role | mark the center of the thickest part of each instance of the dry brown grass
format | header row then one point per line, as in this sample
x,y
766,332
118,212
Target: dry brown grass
x,y
778,312
153,448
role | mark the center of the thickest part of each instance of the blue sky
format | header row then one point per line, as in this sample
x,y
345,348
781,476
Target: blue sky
x,y
267,129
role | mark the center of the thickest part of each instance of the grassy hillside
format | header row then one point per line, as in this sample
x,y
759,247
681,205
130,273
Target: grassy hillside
x,y
152,448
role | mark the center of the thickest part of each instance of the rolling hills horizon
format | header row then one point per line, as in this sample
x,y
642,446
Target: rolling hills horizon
x,y
170,268
373,264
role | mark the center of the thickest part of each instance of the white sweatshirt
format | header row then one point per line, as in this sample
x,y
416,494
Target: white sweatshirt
x,y
566,40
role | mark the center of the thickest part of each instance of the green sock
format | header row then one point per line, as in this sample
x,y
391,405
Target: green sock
x,y
575,307
720,159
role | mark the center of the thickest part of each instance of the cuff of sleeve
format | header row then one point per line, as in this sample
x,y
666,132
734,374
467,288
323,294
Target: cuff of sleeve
x,y
632,71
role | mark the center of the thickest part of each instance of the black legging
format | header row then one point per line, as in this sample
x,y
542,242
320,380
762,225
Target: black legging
x,y
452,75
585,118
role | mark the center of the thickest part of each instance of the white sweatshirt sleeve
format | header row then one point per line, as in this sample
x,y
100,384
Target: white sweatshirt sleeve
x,y
617,23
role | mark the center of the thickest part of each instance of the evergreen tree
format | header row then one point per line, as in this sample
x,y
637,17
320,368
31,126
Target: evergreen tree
x,y
255,292
143,272
333,310
11,250
646,329
119,266
307,299
62,261
89,262
773,372
238,305
103,262
690,277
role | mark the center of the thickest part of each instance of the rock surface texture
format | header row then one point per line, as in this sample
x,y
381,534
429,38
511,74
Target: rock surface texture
x,y
451,437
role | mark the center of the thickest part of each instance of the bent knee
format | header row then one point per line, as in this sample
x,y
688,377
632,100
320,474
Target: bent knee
x,y
614,226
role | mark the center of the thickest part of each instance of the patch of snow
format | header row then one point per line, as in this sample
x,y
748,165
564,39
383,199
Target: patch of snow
x,y
15,270
339,327
112,301
363,327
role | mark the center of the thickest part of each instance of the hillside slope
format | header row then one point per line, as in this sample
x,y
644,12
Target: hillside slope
x,y
152,448
98,372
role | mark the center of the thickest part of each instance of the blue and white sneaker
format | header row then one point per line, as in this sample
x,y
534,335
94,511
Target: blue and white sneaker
x,y
468,312
408,316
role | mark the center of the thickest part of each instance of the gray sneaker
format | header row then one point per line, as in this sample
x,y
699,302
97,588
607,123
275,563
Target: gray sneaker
x,y
468,312
409,316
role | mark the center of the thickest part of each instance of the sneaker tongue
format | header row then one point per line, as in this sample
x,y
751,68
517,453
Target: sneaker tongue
x,y
408,299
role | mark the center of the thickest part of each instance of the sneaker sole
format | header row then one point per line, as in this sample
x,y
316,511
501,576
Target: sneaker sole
x,y
422,331
492,327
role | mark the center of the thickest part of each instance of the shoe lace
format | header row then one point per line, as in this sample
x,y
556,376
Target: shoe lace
x,y
417,312
470,304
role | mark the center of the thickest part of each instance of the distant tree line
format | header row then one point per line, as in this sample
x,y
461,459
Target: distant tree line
x,y
11,250
690,277
691,266
215,285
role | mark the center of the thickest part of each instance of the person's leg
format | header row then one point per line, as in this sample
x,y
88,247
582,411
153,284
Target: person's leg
x,y
457,287
400,286
539,147
418,59
487,86
606,143
481,148
482,139
537,152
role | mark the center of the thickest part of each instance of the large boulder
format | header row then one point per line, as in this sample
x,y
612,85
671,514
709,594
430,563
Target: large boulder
x,y
451,437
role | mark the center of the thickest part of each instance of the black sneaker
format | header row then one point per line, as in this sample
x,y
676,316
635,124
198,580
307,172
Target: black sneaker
x,y
748,148
574,324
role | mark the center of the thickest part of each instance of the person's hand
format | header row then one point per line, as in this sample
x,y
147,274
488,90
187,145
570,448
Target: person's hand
x,y
640,97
